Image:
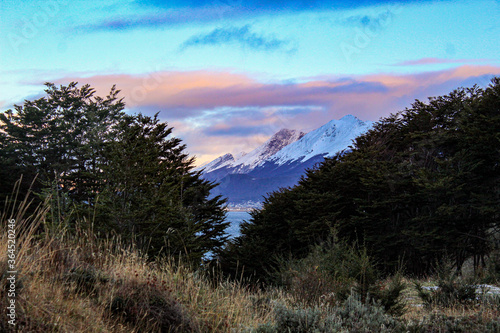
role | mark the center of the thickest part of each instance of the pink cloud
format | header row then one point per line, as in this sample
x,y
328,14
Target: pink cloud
x,y
203,104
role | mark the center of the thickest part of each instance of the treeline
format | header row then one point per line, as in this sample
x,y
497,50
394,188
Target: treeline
x,y
123,174
421,187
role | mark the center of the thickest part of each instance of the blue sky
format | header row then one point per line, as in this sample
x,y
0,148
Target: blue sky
x,y
227,74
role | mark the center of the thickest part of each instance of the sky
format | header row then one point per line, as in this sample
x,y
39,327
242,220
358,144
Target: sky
x,y
228,74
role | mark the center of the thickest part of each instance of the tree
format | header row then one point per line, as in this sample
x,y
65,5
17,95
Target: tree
x,y
58,138
126,173
152,193
422,185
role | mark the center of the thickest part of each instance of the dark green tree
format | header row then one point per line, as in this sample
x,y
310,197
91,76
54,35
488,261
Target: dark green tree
x,y
57,139
421,186
152,193
127,174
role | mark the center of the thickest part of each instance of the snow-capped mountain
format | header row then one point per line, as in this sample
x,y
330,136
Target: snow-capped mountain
x,y
245,163
280,161
327,140
259,155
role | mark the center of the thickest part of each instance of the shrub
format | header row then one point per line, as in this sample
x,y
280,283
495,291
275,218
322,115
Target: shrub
x,y
358,316
297,320
352,315
151,309
468,324
492,273
86,279
389,295
450,290
329,273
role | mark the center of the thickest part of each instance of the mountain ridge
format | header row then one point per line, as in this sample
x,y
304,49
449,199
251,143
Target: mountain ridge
x,y
281,160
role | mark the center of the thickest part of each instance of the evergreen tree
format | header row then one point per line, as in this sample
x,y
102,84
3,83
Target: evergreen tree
x,y
125,173
152,193
422,185
51,138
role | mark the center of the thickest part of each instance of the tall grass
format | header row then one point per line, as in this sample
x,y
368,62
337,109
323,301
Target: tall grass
x,y
76,282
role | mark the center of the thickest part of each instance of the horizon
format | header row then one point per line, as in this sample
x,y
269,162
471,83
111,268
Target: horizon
x,y
228,75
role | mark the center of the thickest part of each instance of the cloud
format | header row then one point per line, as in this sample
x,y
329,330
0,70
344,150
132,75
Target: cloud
x,y
272,5
175,13
182,95
168,17
218,112
233,35
226,130
373,23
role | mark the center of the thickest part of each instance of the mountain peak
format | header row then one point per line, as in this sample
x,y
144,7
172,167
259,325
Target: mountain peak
x,y
327,140
283,159
349,117
281,139
290,146
257,156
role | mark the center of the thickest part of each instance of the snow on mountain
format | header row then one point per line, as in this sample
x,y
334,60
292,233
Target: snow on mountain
x,y
244,162
257,156
219,162
327,140
291,147
280,161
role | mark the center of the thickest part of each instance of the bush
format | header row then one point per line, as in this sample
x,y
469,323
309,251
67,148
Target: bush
x,y
442,323
150,307
389,295
450,290
298,320
358,316
492,273
328,273
352,315
87,279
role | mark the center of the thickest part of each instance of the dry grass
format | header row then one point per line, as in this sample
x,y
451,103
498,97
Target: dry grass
x,y
75,282
417,311
78,283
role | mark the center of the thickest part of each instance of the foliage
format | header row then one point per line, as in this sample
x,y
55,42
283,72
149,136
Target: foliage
x,y
78,282
422,185
82,283
125,174
450,289
332,271
390,296
492,270
328,273
442,323
351,316
149,306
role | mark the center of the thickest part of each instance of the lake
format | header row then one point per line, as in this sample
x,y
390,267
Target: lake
x,y
235,218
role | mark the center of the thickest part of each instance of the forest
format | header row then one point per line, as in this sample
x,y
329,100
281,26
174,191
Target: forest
x,y
420,188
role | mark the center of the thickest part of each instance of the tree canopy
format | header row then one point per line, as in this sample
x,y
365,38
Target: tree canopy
x,y
422,185
126,173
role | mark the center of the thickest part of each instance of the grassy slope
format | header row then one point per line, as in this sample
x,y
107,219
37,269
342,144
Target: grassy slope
x,y
78,283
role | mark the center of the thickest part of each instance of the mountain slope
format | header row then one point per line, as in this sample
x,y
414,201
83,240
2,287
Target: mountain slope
x,y
281,160
259,155
327,140
247,162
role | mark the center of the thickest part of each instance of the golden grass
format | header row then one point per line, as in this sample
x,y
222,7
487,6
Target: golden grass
x,y
70,283
75,282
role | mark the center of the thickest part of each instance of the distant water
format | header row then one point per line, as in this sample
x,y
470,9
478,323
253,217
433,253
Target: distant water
x,y
235,218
